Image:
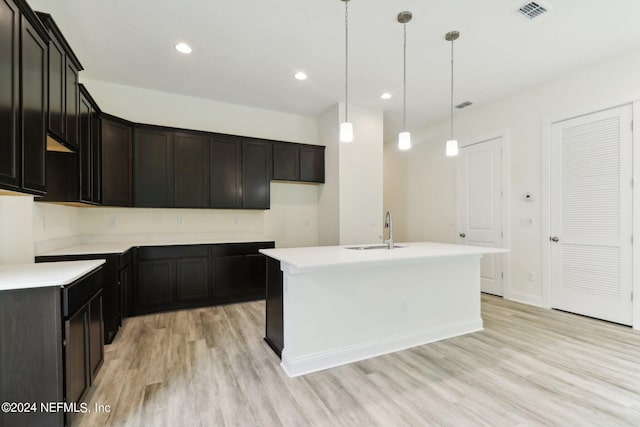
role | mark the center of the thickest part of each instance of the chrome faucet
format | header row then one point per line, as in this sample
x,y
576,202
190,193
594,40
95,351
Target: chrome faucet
x,y
388,224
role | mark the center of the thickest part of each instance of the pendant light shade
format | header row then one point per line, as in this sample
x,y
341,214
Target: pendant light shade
x,y
452,144
404,138
346,127
452,148
346,132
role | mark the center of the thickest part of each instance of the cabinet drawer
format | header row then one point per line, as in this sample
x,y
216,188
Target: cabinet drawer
x,y
165,252
75,295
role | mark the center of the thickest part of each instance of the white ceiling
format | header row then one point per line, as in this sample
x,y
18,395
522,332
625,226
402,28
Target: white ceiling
x,y
246,51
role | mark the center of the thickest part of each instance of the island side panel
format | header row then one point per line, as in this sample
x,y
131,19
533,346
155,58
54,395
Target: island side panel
x,y
340,315
274,334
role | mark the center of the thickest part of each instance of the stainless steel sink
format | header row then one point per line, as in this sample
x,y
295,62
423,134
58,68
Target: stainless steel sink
x,y
365,248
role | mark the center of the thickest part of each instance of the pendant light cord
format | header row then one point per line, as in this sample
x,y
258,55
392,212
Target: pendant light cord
x,y
451,90
404,82
346,59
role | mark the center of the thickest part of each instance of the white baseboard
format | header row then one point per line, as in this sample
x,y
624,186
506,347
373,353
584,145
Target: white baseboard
x,y
330,359
524,298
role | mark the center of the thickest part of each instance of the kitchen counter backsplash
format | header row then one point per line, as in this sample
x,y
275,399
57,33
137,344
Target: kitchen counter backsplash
x,y
116,243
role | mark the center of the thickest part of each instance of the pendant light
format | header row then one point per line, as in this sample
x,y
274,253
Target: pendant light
x,y
452,144
404,138
346,127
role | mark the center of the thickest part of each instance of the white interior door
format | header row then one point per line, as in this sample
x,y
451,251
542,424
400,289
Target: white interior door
x,y
591,215
480,207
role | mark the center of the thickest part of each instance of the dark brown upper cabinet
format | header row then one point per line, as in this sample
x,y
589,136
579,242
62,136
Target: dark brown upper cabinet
x,y
298,162
256,174
9,95
312,163
23,91
286,162
152,167
116,161
191,170
225,177
64,95
89,152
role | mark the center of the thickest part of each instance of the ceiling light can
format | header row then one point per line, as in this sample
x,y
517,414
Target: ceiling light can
x,y
183,48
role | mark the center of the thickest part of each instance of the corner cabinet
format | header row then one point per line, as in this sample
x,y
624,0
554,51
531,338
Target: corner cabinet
x,y
23,99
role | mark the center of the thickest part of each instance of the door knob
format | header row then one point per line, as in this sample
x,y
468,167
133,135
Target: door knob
x,y
463,235
554,239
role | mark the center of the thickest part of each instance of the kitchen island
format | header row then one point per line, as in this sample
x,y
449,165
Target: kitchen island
x,y
328,306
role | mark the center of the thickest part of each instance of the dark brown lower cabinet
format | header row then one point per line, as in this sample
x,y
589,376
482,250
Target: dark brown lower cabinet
x,y
192,279
51,348
230,276
115,286
184,276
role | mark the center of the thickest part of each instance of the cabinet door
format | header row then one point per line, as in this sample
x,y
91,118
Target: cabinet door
x,y
225,184
76,355
191,170
312,164
229,277
72,103
57,119
126,290
96,337
192,279
286,162
96,157
116,163
9,94
256,158
256,274
153,168
86,151
34,97
155,284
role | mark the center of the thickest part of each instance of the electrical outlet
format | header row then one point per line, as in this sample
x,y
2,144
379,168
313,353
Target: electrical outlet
x,y
236,220
113,222
530,276
404,306
180,221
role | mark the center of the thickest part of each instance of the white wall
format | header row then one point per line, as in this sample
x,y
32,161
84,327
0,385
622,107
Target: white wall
x,y
360,171
16,236
168,109
428,209
350,207
329,193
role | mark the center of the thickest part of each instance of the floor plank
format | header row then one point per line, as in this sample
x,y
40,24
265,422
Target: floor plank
x,y
529,367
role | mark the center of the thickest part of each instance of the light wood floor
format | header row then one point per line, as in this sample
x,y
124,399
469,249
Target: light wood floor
x,y
210,367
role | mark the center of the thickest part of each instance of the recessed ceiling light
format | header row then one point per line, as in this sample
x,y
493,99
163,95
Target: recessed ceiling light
x,y
385,95
183,48
300,75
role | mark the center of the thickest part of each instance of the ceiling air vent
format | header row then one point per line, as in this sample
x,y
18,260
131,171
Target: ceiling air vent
x,y
532,10
465,104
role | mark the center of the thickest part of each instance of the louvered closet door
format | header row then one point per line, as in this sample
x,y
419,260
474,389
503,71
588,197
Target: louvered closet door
x,y
591,217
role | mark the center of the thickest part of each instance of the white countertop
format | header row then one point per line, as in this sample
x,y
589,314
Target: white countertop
x,y
45,274
318,257
118,247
